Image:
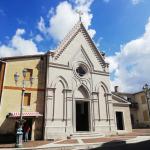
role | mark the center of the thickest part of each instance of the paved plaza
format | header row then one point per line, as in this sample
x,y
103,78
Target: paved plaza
x,y
139,139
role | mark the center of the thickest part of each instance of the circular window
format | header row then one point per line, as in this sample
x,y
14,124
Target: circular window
x,y
81,70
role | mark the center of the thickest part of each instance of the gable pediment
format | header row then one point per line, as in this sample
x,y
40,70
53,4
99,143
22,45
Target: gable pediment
x,y
81,56
119,100
78,42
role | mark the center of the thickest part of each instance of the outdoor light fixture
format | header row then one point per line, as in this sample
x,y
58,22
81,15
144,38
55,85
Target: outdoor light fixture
x,y
19,133
146,90
16,77
24,72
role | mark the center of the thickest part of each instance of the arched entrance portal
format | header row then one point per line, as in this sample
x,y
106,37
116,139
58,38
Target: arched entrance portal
x,y
82,109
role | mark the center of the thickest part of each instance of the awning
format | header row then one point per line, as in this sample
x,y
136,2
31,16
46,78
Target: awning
x,y
24,114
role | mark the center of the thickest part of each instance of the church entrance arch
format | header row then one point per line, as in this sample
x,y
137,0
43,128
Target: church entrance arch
x,y
82,110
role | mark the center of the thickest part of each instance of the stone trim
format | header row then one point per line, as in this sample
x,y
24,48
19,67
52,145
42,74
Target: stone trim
x,y
20,88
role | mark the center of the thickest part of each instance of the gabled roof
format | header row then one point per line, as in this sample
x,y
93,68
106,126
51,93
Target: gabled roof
x,y
119,99
79,27
21,57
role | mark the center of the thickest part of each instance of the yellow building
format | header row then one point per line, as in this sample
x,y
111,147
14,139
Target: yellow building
x,y
140,116
139,108
11,94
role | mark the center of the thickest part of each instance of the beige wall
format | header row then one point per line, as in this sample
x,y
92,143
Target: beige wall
x,y
126,117
11,95
141,108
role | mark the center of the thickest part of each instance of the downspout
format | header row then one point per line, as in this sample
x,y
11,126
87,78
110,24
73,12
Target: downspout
x,y
4,62
44,107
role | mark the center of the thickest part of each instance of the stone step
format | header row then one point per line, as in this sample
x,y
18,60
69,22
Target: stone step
x,y
86,135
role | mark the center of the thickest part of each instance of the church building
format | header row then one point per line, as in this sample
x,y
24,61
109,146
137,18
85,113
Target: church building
x,y
70,95
78,96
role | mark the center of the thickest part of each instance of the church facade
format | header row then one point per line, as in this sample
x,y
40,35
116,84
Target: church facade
x,y
70,95
78,95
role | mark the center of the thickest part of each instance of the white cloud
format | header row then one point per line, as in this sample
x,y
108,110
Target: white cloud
x,y
50,12
62,22
97,43
41,26
135,2
64,17
18,46
38,38
130,66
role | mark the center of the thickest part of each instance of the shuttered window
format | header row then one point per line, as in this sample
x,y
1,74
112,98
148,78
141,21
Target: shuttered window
x,y
28,74
145,115
143,99
27,97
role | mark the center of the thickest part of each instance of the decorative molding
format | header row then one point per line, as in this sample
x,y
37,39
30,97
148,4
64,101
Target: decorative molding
x,y
20,88
79,27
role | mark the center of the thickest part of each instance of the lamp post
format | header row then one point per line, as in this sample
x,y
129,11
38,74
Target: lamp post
x,y
19,133
146,90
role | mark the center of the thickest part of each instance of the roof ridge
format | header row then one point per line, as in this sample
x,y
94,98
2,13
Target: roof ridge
x,y
93,45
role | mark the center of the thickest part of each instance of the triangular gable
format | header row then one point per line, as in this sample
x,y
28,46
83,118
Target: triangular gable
x,y
71,35
77,56
119,100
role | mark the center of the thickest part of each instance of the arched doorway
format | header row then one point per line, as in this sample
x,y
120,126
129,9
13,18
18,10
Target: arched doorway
x,y
82,109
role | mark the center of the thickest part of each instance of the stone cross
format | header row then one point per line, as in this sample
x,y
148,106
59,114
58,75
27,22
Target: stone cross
x,y
80,13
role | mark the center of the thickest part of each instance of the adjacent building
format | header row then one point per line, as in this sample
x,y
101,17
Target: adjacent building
x,y
11,94
139,108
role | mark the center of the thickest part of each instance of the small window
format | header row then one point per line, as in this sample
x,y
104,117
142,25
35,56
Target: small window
x,y
143,99
145,115
81,70
29,74
27,97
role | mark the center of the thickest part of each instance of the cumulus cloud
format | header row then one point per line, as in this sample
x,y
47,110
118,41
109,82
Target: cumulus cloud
x,y
18,46
130,66
41,25
135,2
64,17
38,38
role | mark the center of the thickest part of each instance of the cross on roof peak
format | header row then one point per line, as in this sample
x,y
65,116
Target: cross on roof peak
x,y
80,13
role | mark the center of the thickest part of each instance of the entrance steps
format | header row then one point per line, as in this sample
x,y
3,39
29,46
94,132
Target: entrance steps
x,y
86,135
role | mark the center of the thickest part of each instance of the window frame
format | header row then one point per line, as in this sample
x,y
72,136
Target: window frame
x,y
29,96
28,71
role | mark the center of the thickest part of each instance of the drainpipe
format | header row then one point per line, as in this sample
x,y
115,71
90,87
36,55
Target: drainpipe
x,y
4,62
45,64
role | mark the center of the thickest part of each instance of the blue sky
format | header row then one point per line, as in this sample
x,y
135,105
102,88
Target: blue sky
x,y
116,22
116,26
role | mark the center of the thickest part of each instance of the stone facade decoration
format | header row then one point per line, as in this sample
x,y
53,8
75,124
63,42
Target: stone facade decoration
x,y
78,95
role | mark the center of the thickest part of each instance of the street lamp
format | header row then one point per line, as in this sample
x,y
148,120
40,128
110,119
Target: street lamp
x,y
19,133
146,90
